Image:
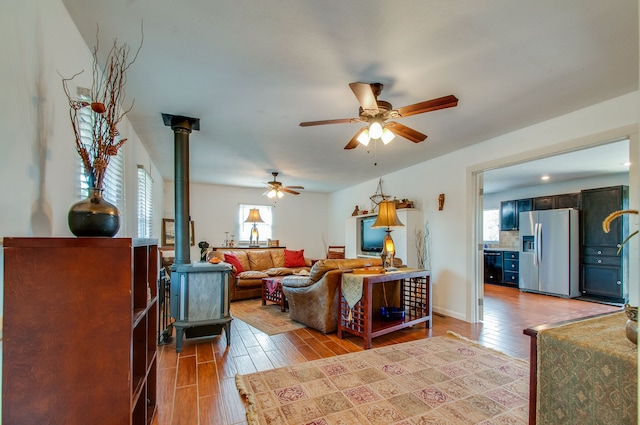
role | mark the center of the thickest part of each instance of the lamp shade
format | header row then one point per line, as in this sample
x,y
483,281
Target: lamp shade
x,y
375,129
254,216
387,216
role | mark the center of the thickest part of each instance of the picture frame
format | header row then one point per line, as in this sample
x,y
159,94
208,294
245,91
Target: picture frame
x,y
169,232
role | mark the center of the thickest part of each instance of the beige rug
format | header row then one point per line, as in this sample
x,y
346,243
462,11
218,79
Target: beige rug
x,y
268,318
440,380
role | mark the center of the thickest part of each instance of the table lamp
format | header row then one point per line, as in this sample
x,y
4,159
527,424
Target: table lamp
x,y
387,217
254,217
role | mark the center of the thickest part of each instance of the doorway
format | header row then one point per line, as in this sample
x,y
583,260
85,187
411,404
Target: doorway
x,y
594,164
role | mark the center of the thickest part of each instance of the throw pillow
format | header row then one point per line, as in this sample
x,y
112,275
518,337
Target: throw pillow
x,y
294,258
234,261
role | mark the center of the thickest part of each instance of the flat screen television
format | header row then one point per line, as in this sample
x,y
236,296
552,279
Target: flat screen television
x,y
371,240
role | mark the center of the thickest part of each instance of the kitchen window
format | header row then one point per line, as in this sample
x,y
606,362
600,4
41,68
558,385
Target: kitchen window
x,y
491,226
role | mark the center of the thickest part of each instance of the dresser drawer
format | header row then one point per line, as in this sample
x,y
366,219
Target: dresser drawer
x,y
602,260
510,265
599,250
511,277
511,255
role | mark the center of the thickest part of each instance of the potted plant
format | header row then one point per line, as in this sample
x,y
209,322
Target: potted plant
x,y
94,216
631,327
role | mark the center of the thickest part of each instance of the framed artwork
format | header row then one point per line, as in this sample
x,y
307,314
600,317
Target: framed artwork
x,y
169,232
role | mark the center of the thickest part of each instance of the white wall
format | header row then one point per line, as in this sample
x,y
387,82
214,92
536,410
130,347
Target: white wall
x,y
455,257
299,221
38,160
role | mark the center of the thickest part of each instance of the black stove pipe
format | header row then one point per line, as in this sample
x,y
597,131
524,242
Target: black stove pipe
x,y
182,127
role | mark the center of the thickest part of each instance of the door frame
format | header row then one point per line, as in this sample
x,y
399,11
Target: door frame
x,y
475,178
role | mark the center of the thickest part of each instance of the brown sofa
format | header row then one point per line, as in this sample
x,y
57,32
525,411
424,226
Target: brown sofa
x,y
257,263
313,300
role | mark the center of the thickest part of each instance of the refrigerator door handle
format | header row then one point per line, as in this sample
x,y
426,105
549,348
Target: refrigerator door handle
x,y
539,242
535,244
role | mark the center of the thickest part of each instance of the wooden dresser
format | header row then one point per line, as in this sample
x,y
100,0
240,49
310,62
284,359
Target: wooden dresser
x,y
80,329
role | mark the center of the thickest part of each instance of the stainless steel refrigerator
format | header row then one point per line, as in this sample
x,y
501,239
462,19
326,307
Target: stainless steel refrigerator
x,y
549,252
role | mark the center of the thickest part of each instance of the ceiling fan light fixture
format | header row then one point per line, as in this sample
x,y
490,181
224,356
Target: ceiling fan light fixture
x,y
280,194
272,193
364,138
375,129
387,136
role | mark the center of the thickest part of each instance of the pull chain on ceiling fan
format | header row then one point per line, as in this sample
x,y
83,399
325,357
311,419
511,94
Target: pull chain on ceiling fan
x,y
276,189
376,113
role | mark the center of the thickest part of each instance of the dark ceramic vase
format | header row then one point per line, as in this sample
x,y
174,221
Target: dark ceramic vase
x,y
94,216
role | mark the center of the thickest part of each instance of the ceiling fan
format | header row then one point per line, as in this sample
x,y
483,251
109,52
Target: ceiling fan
x,y
276,189
376,113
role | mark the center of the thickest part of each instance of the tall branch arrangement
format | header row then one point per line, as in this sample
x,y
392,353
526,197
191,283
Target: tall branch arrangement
x,y
107,97
423,246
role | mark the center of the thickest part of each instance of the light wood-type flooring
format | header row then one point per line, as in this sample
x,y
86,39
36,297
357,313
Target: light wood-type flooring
x,y
197,386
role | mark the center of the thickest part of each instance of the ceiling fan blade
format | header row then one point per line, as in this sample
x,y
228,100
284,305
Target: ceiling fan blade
x,y
406,132
294,187
353,143
365,96
323,122
293,192
428,106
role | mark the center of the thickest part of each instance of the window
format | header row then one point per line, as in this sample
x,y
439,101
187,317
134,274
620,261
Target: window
x,y
145,203
114,179
491,226
264,229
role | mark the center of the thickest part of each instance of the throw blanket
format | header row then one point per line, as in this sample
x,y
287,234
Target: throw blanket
x,y
587,373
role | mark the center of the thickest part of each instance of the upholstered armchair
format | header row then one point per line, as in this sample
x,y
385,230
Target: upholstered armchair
x,y
313,300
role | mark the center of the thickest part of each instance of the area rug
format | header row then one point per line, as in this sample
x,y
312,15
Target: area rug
x,y
266,318
440,380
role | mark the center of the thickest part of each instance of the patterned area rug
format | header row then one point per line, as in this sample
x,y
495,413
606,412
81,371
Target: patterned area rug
x,y
440,380
268,318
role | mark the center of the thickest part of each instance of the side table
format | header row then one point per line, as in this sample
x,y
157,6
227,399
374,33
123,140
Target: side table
x,y
272,291
415,301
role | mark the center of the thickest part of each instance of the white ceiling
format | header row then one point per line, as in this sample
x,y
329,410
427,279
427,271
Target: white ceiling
x,y
251,71
607,159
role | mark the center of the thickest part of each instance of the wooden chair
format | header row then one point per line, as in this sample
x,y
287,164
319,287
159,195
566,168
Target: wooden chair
x,y
335,251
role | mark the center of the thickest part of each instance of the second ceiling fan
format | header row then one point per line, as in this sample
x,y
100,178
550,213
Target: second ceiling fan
x,y
276,189
376,113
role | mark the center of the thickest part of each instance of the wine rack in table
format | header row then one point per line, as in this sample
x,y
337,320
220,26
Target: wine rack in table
x,y
415,302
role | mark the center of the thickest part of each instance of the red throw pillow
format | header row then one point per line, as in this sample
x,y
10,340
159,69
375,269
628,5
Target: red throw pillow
x,y
294,258
234,261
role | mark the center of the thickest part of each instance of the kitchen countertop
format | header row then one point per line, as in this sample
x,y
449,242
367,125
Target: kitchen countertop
x,y
502,249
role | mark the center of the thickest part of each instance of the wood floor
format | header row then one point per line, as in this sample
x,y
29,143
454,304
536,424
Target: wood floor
x,y
197,386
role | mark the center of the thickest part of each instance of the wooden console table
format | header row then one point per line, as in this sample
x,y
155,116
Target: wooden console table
x,y
361,320
583,371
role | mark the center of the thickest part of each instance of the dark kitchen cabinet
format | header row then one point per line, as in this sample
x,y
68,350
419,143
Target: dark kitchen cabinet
x,y
509,212
510,267
568,200
565,200
604,272
493,266
544,203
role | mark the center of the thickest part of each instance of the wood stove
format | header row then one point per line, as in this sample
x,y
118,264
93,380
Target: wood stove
x,y
200,301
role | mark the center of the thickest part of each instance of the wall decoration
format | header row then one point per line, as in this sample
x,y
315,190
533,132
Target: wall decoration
x,y
377,197
169,232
